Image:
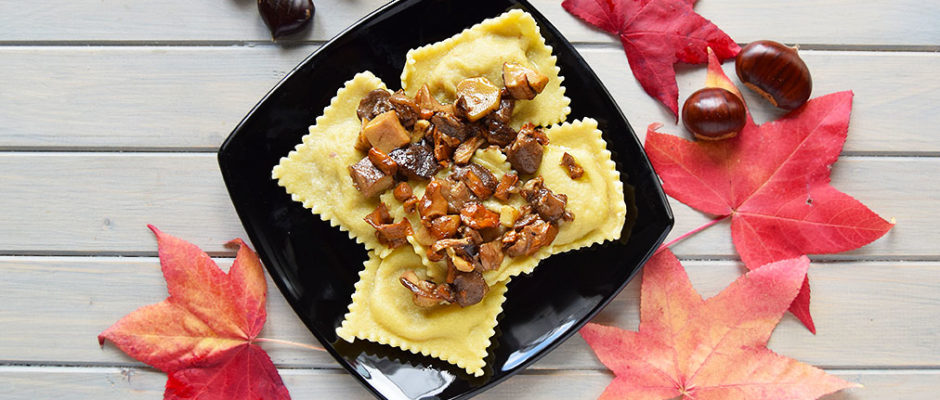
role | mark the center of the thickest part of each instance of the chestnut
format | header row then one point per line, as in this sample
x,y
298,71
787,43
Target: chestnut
x,y
284,17
714,114
776,72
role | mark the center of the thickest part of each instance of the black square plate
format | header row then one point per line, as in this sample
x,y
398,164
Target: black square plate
x,y
315,265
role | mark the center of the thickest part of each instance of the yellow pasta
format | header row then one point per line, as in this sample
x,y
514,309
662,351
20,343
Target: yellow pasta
x,y
481,51
382,311
315,173
595,199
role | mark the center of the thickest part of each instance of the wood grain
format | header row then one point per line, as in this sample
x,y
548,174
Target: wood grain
x,y
832,22
26,383
898,303
190,98
100,203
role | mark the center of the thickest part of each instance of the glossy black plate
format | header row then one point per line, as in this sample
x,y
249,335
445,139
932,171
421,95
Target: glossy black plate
x,y
315,265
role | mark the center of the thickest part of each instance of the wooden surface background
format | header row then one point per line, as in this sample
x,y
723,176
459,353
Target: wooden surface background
x,y
111,112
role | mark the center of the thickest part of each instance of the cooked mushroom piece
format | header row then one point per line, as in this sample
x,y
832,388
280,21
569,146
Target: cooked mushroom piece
x,y
457,194
394,235
382,161
426,293
379,216
436,251
406,108
531,238
444,227
571,166
415,161
476,97
476,216
386,133
369,180
427,104
523,83
375,103
453,130
469,288
547,204
432,204
491,255
505,186
466,149
459,262
480,180
402,192
525,153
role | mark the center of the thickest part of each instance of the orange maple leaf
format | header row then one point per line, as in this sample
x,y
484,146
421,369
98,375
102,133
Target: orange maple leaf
x,y
202,334
708,349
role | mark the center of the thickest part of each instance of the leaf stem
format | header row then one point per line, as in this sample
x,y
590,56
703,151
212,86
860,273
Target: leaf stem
x,y
694,231
289,343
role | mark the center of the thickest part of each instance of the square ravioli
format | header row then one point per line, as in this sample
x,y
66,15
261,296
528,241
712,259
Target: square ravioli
x,y
382,311
481,50
315,173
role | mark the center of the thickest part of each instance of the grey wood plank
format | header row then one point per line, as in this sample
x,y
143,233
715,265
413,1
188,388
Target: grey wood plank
x,y
100,203
868,314
131,384
867,22
190,98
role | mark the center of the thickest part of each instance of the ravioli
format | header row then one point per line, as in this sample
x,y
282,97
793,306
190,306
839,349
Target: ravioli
x,y
596,198
315,173
481,50
382,312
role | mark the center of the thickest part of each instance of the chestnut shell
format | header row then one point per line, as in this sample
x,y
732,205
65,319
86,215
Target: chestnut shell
x,y
713,114
776,72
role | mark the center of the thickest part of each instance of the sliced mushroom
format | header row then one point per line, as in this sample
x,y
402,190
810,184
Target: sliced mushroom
x,y
394,235
427,293
466,149
383,162
379,216
386,133
402,192
505,187
415,161
476,97
432,204
571,166
457,194
375,103
436,251
531,238
369,180
453,130
469,288
479,179
523,83
525,153
547,204
444,227
459,262
476,216
406,108
491,255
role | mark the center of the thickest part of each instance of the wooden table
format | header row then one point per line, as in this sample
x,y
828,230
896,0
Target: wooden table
x,y
111,112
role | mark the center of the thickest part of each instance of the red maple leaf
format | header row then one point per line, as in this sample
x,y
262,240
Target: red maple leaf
x,y
202,334
708,349
656,34
773,181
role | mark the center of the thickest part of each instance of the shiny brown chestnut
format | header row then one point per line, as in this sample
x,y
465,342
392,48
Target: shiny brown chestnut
x,y
776,72
714,114
284,17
